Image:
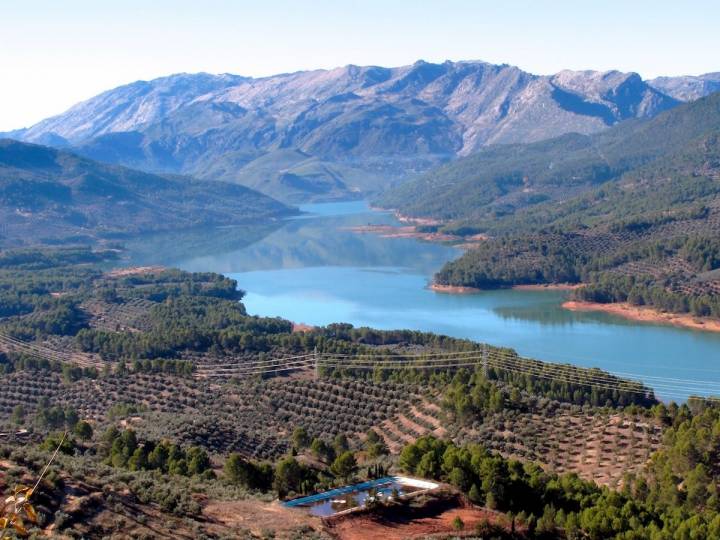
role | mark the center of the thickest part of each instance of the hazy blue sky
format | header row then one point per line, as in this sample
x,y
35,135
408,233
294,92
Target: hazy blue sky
x,y
56,53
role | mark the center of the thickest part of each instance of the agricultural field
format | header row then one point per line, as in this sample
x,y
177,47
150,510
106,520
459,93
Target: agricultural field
x,y
181,411
602,448
257,419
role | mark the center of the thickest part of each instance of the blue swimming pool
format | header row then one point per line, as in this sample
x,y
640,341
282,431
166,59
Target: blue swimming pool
x,y
345,498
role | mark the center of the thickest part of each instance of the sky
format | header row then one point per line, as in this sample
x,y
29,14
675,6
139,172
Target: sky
x,y
54,54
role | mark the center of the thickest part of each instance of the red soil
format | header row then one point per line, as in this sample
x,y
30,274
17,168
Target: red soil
x,y
646,314
364,526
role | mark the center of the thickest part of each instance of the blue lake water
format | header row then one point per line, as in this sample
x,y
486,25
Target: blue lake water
x,y
314,270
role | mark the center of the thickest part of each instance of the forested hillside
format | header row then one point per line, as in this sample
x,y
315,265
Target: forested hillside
x,y
49,196
633,212
490,190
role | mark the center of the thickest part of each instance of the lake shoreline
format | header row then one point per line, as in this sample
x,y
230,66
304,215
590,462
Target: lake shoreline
x,y
548,287
460,289
453,289
316,272
646,314
410,228
407,231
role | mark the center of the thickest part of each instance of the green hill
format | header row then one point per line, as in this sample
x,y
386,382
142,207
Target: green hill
x,y
49,195
489,189
633,212
289,175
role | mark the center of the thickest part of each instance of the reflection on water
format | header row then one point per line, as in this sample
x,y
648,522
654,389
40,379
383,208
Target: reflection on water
x,y
358,495
314,270
172,248
542,307
320,239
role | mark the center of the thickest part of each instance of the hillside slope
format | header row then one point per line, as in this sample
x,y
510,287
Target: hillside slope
x,y
373,123
49,195
633,212
491,188
170,392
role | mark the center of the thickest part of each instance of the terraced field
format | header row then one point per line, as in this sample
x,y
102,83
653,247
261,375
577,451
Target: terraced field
x,y
597,447
423,417
256,417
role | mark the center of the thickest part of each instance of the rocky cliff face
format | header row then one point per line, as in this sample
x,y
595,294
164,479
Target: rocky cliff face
x,y
366,125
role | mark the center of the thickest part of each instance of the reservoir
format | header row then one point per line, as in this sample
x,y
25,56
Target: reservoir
x,y
353,497
315,270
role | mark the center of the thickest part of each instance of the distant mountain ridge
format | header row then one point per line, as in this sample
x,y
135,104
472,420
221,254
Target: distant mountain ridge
x,y
688,88
343,131
54,196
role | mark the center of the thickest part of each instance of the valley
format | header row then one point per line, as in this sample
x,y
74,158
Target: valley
x,y
448,299
188,410
191,376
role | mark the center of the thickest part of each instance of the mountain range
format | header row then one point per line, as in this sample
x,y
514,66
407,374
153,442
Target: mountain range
x,y
346,132
50,196
688,88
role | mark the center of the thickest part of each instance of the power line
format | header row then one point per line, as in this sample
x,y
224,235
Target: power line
x,y
504,360
440,362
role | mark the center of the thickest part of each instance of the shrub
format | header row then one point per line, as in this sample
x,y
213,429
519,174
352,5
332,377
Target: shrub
x,y
83,430
248,474
344,465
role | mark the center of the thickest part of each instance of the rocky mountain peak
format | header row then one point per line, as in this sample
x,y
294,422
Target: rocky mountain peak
x,y
372,122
